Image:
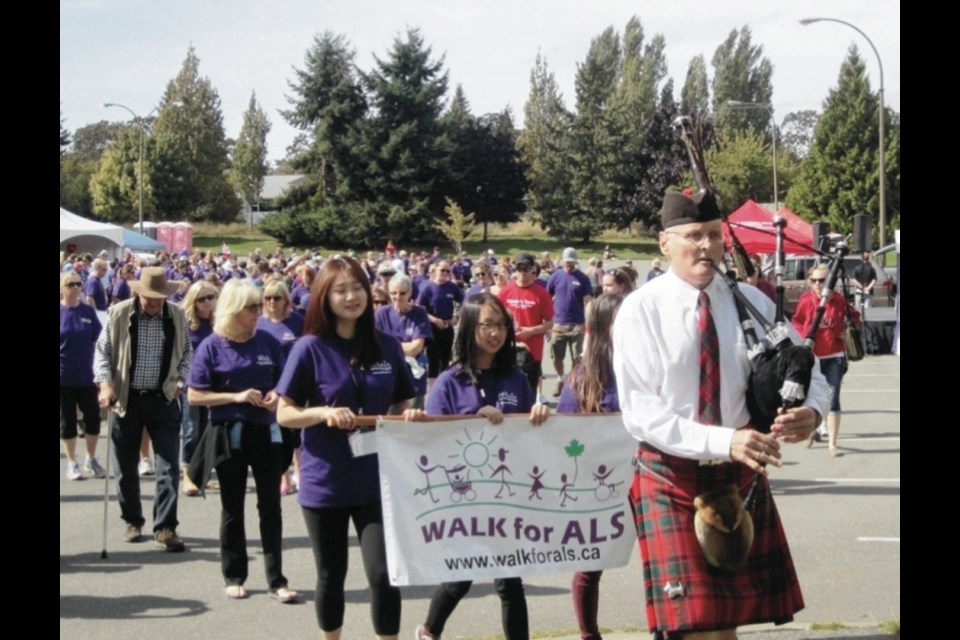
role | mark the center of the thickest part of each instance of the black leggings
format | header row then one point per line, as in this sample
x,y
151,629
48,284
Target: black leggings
x,y
513,607
328,536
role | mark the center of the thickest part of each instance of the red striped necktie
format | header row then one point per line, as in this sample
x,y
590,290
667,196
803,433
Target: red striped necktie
x,y
709,410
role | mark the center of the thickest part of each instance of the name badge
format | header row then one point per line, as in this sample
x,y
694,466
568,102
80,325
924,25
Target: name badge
x,y
363,442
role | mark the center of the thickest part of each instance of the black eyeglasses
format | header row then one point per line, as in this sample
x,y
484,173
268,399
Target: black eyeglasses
x,y
273,298
73,285
818,280
255,307
207,298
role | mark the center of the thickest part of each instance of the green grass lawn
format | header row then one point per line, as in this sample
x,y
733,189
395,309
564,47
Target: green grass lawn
x,y
504,241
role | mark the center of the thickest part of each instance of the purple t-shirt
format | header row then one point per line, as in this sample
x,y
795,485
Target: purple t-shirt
x,y
474,290
79,330
286,332
568,291
93,287
318,374
609,403
223,365
454,394
439,299
121,290
406,327
196,337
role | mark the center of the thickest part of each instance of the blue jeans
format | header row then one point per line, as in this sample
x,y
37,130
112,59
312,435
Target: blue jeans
x,y
193,424
832,369
162,422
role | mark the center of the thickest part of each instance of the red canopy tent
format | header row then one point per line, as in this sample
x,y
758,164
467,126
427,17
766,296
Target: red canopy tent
x,y
754,227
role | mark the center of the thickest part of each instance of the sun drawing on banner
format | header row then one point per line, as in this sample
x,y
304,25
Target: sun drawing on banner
x,y
475,453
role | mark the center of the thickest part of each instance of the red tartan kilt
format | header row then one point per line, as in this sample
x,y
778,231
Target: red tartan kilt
x,y
765,590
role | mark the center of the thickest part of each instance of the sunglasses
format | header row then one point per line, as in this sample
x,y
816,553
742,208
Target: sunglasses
x,y
444,270
207,298
380,302
818,280
273,298
255,307
73,285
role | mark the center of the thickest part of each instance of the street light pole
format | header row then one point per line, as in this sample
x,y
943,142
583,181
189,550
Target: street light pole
x,y
882,127
139,121
739,104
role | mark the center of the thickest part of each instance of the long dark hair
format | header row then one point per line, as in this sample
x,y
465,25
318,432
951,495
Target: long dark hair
x,y
589,380
465,349
322,322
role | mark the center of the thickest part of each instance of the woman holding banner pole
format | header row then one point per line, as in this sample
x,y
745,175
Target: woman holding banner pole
x,y
592,388
485,381
343,368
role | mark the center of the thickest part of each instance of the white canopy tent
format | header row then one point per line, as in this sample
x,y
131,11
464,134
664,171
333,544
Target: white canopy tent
x,y
88,236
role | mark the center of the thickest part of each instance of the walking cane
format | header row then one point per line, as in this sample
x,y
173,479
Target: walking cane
x,y
106,492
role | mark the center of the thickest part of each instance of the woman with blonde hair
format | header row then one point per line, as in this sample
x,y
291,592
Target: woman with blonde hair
x,y
235,372
198,305
284,323
828,345
79,330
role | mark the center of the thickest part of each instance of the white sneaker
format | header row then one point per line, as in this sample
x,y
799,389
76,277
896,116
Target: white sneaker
x,y
145,468
73,471
92,467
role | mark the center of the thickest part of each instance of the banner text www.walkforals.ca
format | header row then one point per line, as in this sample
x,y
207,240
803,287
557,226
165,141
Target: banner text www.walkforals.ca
x,y
466,499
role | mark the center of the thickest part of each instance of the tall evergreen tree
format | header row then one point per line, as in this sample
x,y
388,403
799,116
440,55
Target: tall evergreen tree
x,y
485,176
407,159
64,136
662,161
695,96
190,178
544,146
838,178
115,187
741,72
250,153
595,141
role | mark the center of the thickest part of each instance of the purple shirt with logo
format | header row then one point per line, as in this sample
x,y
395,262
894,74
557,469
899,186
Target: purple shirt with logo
x,y
568,291
223,365
79,330
454,394
439,299
318,374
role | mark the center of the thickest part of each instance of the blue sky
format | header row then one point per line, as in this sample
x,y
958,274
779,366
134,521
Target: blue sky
x,y
126,51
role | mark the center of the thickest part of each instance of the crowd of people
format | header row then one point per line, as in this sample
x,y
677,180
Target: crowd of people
x,y
270,363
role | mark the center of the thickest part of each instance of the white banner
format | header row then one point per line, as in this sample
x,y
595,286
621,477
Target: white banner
x,y
466,499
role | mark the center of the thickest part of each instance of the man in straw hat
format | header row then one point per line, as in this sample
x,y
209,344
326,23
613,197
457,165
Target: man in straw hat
x,y
681,366
142,358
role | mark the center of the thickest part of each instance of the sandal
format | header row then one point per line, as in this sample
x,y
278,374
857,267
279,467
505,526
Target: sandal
x,y
284,595
235,592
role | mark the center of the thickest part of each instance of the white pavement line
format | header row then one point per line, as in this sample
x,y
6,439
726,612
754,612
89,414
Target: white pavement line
x,y
840,480
876,439
897,390
877,539
871,375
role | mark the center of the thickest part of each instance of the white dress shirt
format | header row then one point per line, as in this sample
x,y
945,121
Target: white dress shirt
x,y
656,358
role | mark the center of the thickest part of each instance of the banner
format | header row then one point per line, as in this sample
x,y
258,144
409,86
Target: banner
x,y
466,499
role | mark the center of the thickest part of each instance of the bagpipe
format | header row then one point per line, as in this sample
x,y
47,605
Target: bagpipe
x,y
780,371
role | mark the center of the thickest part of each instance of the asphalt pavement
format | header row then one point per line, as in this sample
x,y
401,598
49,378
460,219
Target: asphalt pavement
x,y
842,517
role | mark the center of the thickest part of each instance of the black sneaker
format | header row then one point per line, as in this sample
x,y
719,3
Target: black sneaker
x,y
168,540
